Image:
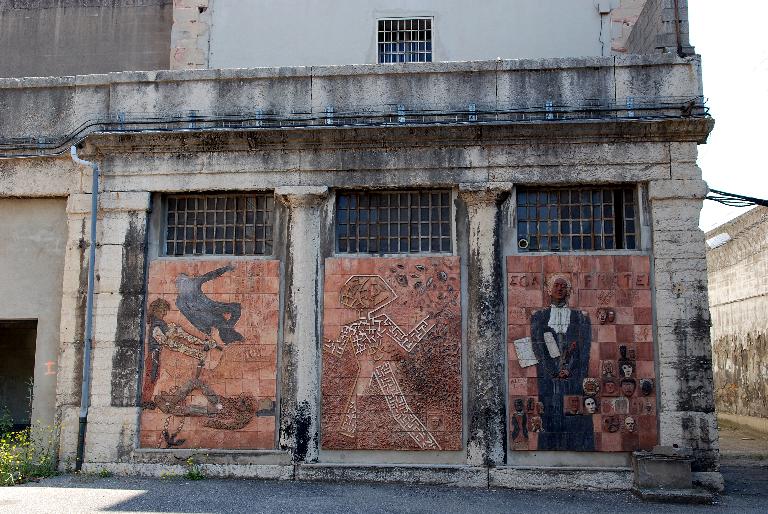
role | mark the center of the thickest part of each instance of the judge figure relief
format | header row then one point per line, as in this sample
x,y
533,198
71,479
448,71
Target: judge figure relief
x,y
561,339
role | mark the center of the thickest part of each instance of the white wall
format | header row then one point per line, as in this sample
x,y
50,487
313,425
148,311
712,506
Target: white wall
x,y
254,33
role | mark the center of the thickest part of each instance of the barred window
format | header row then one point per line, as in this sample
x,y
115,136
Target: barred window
x,y
219,224
393,222
566,219
405,40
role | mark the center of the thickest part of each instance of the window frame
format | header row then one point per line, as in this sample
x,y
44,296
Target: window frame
x,y
430,41
450,220
640,227
273,221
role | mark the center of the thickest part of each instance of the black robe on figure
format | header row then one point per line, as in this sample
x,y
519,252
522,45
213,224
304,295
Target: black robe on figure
x,y
205,313
561,432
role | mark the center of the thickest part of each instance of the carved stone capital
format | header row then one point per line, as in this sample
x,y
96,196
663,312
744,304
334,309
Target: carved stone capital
x,y
301,196
484,193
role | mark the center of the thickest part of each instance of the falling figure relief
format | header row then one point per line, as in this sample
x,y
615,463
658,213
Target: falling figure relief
x,y
220,412
368,294
205,313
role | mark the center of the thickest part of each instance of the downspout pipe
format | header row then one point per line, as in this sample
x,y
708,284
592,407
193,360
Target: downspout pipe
x,y
85,393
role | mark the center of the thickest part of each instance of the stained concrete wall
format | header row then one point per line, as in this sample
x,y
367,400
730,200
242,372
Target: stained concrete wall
x,y
71,37
34,233
311,33
738,295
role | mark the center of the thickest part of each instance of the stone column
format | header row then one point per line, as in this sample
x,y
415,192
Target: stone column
x,y
117,326
486,402
686,409
307,215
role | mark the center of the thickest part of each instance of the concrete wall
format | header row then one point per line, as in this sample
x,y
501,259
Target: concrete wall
x,y
34,233
311,33
738,295
655,30
69,37
480,163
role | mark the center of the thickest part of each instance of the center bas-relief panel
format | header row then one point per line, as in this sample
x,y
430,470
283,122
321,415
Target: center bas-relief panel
x,y
391,375
210,354
580,347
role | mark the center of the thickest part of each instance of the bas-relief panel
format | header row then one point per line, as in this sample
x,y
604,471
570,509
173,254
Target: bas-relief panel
x,y
580,348
391,376
210,354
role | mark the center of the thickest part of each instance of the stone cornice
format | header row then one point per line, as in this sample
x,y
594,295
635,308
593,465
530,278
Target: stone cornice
x,y
330,138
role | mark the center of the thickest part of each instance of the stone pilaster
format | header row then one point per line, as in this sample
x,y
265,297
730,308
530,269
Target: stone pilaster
x,y
307,213
686,409
486,402
117,325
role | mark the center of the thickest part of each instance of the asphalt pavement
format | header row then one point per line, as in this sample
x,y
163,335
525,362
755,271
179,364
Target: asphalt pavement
x,y
746,491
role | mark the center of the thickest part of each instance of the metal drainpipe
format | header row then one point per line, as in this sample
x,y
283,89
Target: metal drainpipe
x,y
86,385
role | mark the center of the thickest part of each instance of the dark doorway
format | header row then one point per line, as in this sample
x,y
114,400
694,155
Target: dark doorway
x,y
17,367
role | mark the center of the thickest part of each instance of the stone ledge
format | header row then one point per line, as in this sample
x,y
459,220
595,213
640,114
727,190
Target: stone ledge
x,y
213,457
590,479
461,476
691,496
529,478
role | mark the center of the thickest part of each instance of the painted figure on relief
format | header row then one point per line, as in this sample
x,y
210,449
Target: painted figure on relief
x,y
561,339
368,295
173,337
204,313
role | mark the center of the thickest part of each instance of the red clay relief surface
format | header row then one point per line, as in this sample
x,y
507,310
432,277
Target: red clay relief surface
x,y
211,354
392,354
580,347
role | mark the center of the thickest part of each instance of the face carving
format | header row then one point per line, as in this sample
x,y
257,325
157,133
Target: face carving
x,y
629,424
628,387
626,370
590,405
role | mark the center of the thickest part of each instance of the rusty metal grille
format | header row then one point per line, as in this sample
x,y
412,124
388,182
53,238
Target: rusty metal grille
x,y
393,222
219,224
574,219
405,40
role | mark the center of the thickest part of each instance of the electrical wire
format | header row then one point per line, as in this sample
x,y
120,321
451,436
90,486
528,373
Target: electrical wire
x,y
734,200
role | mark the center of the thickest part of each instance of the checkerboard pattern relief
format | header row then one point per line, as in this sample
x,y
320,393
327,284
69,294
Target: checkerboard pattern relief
x,y
210,354
580,349
392,354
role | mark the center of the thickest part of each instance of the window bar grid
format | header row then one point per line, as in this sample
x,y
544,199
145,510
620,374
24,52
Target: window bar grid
x,y
393,222
227,224
405,40
559,219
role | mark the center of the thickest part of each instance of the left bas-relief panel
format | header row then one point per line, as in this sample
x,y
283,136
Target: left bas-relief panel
x,y
210,360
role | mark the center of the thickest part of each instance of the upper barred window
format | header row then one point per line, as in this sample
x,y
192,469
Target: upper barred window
x,y
219,224
405,40
574,219
393,222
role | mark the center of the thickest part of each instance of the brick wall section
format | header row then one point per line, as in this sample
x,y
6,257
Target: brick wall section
x,y
392,354
190,34
738,295
611,299
654,30
230,399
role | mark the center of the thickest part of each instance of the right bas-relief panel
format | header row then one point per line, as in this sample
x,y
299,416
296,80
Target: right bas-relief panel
x,y
580,350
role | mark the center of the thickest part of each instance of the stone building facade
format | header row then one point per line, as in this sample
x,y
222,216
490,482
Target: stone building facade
x,y
487,272
738,297
314,353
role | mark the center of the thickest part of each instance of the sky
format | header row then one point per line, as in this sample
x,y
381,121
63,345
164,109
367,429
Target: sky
x,y
731,38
